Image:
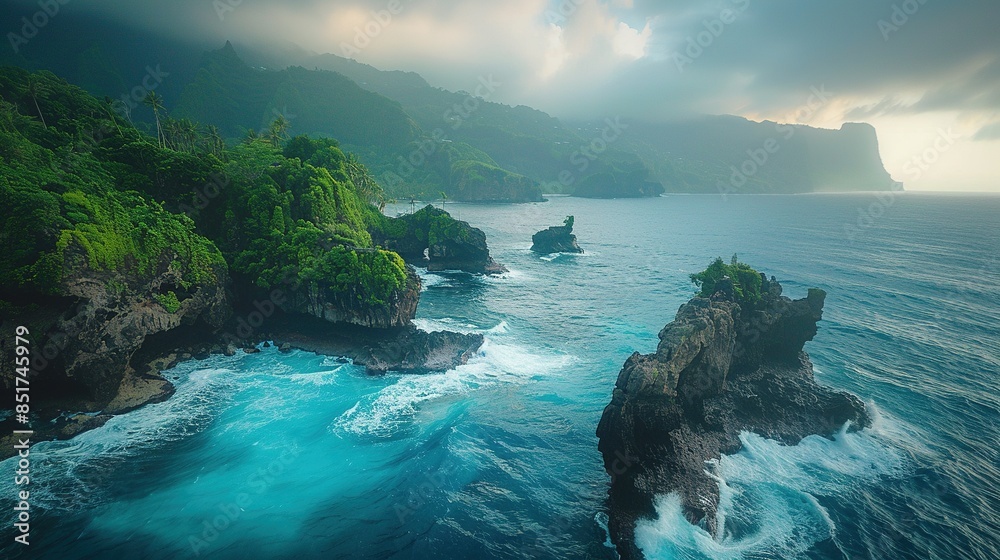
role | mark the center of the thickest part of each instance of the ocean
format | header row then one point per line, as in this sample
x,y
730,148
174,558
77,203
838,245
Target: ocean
x,y
299,456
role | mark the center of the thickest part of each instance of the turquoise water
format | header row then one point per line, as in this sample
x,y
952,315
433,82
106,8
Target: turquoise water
x,y
300,456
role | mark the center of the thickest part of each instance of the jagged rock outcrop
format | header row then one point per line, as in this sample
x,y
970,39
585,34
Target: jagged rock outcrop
x,y
718,370
431,237
556,239
346,307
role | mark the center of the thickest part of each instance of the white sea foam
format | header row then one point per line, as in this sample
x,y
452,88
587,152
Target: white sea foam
x,y
446,324
76,470
393,409
511,276
429,279
768,506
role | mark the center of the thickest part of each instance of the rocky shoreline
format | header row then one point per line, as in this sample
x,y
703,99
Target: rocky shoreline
x,y
99,347
404,350
720,369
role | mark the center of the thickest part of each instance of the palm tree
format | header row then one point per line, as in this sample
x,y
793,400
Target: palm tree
x,y
251,136
364,183
214,141
188,130
170,133
34,89
279,130
156,103
108,102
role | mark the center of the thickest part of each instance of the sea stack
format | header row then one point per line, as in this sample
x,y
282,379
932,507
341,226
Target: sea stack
x,y
556,239
723,366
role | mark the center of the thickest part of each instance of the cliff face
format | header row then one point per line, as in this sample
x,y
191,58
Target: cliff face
x,y
717,371
726,154
84,340
431,237
345,307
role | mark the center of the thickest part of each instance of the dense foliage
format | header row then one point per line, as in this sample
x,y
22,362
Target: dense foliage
x,y
85,189
746,281
62,210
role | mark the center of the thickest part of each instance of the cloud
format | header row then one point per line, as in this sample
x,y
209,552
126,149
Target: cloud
x,y
883,59
989,132
588,57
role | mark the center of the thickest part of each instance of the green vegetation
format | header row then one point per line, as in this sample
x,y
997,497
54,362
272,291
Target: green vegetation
x,y
568,222
746,281
87,190
478,181
62,208
169,301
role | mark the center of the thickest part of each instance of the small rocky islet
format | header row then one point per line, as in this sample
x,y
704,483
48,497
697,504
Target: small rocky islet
x,y
556,239
726,364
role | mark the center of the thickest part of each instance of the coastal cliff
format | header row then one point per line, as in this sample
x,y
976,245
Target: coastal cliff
x,y
318,300
132,253
431,237
723,366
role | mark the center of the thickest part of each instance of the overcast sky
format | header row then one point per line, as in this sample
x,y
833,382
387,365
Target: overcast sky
x,y
926,73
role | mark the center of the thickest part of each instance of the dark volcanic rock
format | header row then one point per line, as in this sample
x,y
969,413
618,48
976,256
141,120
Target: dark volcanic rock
x,y
84,342
556,239
405,350
717,371
94,346
347,307
414,351
431,237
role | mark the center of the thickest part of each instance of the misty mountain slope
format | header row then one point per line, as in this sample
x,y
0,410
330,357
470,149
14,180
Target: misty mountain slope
x,y
521,139
704,154
236,97
734,155
411,134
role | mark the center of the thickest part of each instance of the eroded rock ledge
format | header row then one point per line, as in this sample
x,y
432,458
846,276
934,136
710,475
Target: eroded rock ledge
x,y
718,370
